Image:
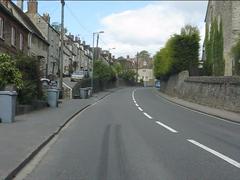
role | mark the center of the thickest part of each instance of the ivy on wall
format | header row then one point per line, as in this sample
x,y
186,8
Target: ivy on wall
x,y
214,64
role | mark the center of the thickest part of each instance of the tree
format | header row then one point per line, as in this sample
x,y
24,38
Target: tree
x,y
214,63
181,52
145,55
236,56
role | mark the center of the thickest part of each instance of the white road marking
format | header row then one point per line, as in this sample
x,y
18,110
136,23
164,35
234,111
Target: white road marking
x,y
136,104
147,115
196,111
167,127
140,109
220,155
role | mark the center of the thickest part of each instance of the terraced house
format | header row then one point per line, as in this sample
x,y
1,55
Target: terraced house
x,y
21,35
13,34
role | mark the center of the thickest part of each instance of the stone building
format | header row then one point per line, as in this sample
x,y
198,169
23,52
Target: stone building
x,y
36,44
229,13
13,34
49,33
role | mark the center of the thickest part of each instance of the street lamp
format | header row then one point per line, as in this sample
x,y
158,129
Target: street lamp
x,y
100,32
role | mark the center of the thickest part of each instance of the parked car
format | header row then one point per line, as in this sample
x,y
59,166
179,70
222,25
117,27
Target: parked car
x,y
76,76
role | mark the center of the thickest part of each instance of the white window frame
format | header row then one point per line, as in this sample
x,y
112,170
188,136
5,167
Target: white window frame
x,y
21,41
1,27
13,36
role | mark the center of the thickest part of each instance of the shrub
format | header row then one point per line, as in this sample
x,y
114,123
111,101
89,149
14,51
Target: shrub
x,y
9,74
30,69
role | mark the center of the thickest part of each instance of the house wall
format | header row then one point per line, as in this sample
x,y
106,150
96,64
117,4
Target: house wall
x,y
5,42
229,13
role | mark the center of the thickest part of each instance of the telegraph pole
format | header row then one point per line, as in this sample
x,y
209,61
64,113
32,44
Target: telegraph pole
x,y
137,69
97,46
92,61
61,52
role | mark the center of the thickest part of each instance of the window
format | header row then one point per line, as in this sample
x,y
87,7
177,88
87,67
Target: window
x,y
13,36
29,40
21,42
1,27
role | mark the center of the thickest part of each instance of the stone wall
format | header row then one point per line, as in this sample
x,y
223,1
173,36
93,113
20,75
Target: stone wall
x,y
218,92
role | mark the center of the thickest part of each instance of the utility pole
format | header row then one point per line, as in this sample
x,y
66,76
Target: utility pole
x,y
92,61
61,52
137,69
97,46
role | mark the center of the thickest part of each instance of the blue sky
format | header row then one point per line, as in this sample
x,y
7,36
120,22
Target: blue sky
x,y
129,25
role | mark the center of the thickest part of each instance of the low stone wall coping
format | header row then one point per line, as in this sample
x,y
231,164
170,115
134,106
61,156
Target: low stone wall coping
x,y
235,80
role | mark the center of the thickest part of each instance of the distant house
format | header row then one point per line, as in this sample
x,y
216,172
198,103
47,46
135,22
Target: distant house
x,y
48,32
228,13
13,34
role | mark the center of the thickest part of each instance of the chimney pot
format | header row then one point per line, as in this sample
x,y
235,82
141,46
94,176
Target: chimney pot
x,y
46,17
32,6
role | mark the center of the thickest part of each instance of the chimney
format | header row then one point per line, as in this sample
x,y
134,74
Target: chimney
x,y
46,17
32,6
4,2
20,4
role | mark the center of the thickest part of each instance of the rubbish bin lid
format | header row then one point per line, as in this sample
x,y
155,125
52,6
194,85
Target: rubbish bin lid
x,y
53,90
10,93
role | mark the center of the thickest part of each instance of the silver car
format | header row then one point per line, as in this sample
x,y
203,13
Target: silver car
x,y
77,76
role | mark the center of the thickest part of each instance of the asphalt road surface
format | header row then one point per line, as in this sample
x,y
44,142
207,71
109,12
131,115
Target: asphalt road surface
x,y
137,135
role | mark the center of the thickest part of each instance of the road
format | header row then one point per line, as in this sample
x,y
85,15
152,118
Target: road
x,y
137,135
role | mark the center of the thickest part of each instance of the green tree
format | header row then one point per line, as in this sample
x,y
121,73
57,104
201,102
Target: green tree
x,y
236,56
214,63
129,75
181,52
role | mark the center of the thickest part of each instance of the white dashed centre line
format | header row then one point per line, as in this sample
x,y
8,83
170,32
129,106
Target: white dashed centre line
x,y
220,155
167,127
147,115
140,109
136,104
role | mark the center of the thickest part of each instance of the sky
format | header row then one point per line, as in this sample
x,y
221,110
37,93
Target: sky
x,y
129,26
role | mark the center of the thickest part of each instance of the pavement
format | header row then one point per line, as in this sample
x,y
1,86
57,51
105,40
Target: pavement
x,y
21,140
134,134
220,113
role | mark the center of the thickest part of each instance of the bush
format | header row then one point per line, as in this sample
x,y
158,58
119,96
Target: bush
x,y
32,87
9,74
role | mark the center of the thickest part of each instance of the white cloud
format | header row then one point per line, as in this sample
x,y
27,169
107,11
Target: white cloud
x,y
149,27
